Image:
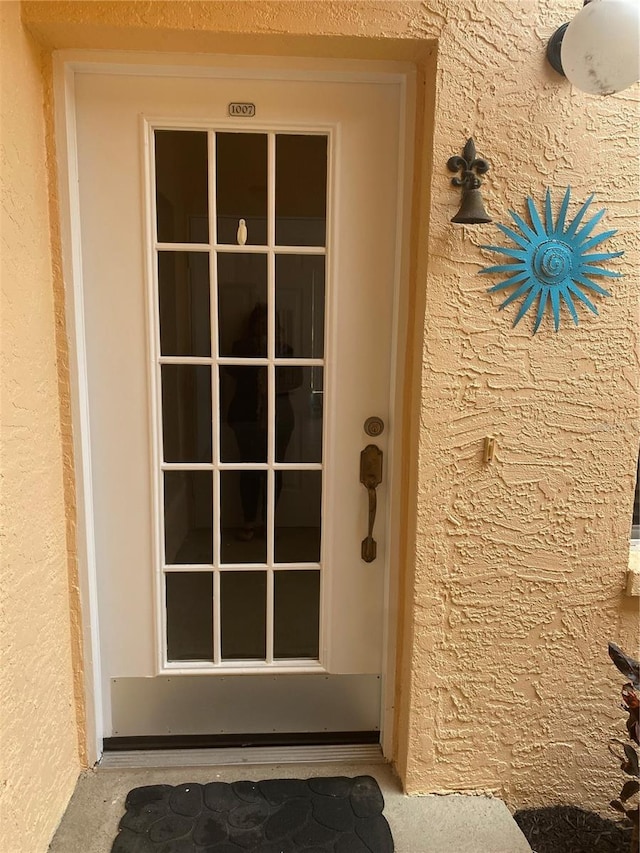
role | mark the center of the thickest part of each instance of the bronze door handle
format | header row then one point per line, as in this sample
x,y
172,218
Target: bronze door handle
x,y
370,477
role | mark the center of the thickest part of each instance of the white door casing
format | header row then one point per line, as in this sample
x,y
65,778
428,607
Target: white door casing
x,y
115,115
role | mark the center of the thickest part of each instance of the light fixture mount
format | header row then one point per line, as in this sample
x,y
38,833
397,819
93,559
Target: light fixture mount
x,y
553,49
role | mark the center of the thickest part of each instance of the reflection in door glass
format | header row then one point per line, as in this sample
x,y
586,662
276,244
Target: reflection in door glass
x,y
298,414
243,412
186,412
243,615
242,305
189,616
188,517
301,190
297,614
298,516
241,186
243,512
300,304
183,300
181,186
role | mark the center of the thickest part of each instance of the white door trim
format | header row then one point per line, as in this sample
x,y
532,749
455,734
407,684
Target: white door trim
x,y
67,64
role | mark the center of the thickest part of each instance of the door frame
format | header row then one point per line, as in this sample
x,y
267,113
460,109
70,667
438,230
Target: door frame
x,y
66,65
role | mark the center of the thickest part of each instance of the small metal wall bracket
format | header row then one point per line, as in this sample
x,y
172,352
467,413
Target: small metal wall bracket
x,y
488,449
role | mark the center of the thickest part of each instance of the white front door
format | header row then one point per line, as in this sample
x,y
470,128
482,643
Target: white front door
x,y
238,309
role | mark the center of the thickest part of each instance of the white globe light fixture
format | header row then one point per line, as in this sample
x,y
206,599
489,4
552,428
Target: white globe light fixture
x,y
599,50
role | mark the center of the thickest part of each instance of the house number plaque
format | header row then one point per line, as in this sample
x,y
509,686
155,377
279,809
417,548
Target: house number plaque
x,y
243,110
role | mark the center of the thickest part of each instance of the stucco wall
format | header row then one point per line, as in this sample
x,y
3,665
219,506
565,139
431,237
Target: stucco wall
x,y
515,581
38,736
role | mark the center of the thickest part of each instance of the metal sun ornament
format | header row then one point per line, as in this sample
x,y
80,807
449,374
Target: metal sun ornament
x,y
552,263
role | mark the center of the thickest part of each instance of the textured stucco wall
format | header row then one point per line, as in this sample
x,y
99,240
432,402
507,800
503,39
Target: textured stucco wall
x,y
38,736
515,581
520,566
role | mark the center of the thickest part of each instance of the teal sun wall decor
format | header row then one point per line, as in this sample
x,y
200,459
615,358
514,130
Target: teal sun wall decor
x,y
552,262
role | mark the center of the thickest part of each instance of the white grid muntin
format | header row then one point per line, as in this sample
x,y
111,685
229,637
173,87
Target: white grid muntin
x,y
213,248
231,248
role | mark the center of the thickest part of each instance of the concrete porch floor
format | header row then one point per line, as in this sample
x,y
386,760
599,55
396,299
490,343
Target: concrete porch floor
x,y
430,824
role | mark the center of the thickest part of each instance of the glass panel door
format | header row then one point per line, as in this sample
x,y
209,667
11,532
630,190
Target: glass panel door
x,y
240,248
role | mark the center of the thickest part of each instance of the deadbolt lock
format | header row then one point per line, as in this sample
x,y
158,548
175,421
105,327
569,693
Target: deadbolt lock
x,y
374,426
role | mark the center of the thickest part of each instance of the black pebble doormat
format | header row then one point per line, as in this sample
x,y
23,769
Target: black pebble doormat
x,y
321,815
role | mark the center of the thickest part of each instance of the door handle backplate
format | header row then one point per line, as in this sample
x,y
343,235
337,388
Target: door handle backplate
x,y
370,477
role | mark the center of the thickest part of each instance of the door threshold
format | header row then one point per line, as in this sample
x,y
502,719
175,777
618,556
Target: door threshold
x,y
369,753
216,741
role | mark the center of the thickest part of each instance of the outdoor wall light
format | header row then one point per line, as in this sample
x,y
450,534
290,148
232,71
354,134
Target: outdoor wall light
x,y
472,210
599,50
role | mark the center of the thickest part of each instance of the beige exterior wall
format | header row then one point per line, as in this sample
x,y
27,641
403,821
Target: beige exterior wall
x,y
38,733
514,580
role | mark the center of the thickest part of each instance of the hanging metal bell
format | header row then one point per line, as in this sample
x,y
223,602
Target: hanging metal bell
x,y
472,210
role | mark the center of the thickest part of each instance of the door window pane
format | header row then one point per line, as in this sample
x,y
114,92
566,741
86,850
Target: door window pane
x,y
298,516
241,186
183,301
243,412
297,614
186,412
243,615
299,414
301,190
242,305
300,305
243,498
251,303
182,186
188,517
189,616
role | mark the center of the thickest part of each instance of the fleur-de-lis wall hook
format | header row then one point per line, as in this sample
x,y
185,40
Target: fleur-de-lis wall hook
x,y
470,166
